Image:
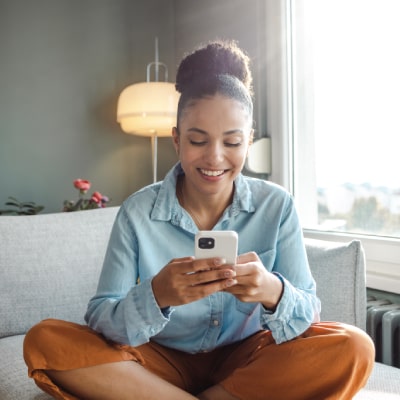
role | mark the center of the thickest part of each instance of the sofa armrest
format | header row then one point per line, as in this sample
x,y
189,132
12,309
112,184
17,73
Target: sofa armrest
x,y
339,270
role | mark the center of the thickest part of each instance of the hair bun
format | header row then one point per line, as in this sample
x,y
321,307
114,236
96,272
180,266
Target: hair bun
x,y
216,58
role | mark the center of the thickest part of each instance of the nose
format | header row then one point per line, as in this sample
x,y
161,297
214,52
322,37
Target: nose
x,y
215,153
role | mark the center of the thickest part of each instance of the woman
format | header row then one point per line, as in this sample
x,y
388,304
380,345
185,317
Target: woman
x,y
186,328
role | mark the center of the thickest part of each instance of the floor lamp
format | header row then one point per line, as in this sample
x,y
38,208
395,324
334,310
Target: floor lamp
x,y
149,108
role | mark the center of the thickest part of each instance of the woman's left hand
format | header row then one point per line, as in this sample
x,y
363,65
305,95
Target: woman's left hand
x,y
255,283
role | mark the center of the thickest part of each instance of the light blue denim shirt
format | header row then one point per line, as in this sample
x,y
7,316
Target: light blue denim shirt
x,y
152,228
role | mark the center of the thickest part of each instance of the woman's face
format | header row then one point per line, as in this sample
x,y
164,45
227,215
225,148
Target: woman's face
x,y
212,143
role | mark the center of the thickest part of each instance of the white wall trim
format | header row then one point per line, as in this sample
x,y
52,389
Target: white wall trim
x,y
278,99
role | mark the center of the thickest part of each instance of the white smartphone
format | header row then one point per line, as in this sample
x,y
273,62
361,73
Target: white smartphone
x,y
216,244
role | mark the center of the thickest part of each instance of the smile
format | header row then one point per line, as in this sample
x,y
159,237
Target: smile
x,y
211,173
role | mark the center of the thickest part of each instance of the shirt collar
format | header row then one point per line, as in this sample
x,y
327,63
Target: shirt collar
x,y
167,207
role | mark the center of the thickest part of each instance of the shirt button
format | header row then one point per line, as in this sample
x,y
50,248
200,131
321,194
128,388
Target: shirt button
x,y
216,322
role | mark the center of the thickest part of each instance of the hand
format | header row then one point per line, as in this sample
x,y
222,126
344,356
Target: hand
x,y
185,280
255,283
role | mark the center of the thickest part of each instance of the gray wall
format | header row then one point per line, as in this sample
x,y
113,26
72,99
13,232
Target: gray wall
x,y
63,64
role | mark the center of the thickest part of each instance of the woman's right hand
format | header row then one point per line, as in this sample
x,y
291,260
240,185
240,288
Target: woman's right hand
x,y
184,280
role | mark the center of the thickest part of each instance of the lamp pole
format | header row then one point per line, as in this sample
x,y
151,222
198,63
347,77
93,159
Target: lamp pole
x,y
154,141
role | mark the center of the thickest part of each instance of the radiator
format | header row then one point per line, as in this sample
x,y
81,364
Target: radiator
x,y
383,325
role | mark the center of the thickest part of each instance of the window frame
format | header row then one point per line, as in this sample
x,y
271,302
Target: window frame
x,y
382,254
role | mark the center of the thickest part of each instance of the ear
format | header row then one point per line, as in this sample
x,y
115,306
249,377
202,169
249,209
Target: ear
x,y
251,140
176,139
251,137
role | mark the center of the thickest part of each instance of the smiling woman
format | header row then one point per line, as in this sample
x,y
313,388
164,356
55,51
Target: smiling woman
x,y
214,128
164,324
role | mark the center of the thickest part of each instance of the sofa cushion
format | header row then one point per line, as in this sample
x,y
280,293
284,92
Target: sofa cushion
x,y
383,384
339,271
50,265
14,381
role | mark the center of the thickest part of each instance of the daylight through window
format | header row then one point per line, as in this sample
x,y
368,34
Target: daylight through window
x,y
346,99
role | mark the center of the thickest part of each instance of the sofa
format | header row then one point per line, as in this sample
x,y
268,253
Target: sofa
x,y
50,264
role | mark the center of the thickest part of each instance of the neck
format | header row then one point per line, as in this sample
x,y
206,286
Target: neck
x,y
204,210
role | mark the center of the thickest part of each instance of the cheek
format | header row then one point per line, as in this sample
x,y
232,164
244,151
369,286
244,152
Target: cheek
x,y
187,154
240,156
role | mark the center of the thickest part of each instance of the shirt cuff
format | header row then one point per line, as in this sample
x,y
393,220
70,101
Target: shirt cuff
x,y
283,325
152,316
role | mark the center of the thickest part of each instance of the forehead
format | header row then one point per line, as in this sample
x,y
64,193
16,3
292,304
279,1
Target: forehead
x,y
215,111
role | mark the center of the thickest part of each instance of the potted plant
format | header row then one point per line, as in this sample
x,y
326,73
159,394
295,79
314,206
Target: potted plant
x,y
17,207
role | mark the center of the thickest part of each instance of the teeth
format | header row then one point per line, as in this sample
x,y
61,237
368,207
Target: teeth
x,y
211,173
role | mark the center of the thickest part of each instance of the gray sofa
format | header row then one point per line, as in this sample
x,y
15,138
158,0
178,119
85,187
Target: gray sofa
x,y
49,267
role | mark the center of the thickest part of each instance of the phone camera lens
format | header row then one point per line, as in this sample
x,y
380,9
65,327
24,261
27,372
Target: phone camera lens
x,y
206,243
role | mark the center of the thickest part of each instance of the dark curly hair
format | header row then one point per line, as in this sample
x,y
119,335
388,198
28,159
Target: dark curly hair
x,y
218,67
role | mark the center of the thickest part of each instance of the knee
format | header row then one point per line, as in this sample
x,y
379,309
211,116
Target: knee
x,y
42,339
358,348
37,337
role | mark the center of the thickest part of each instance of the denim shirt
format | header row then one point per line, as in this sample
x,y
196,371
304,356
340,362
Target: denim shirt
x,y
152,228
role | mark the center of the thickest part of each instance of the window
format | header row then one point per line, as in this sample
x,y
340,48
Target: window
x,y
346,95
335,74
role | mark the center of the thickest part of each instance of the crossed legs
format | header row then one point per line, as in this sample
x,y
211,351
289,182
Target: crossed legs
x,y
69,361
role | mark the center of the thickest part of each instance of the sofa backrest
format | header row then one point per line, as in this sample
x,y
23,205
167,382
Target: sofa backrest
x,y
50,265
339,270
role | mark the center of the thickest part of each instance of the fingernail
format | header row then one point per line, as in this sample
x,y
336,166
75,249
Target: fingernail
x,y
219,261
231,282
229,274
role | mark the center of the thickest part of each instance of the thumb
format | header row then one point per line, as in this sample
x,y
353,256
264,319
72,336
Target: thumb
x,y
247,257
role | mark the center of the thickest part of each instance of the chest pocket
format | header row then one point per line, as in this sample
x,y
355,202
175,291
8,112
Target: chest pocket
x,y
246,308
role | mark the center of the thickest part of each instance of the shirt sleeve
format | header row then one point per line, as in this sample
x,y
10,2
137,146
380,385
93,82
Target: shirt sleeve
x,y
124,310
299,306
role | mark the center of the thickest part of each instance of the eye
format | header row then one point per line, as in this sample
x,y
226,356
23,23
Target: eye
x,y
234,140
236,144
198,142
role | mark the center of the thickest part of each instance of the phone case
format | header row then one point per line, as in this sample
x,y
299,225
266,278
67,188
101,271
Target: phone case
x,y
216,244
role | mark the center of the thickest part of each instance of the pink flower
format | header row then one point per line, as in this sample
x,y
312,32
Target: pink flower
x,y
97,197
97,200
82,185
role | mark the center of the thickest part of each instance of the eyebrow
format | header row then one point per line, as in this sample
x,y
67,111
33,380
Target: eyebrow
x,y
230,132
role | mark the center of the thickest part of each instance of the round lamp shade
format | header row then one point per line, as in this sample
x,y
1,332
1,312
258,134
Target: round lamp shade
x,y
148,108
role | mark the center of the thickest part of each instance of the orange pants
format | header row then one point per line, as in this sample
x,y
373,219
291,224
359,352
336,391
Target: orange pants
x,y
329,361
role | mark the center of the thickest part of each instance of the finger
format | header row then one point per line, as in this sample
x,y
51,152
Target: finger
x,y
243,270
241,293
182,259
247,257
200,291
182,265
203,264
236,290
208,276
